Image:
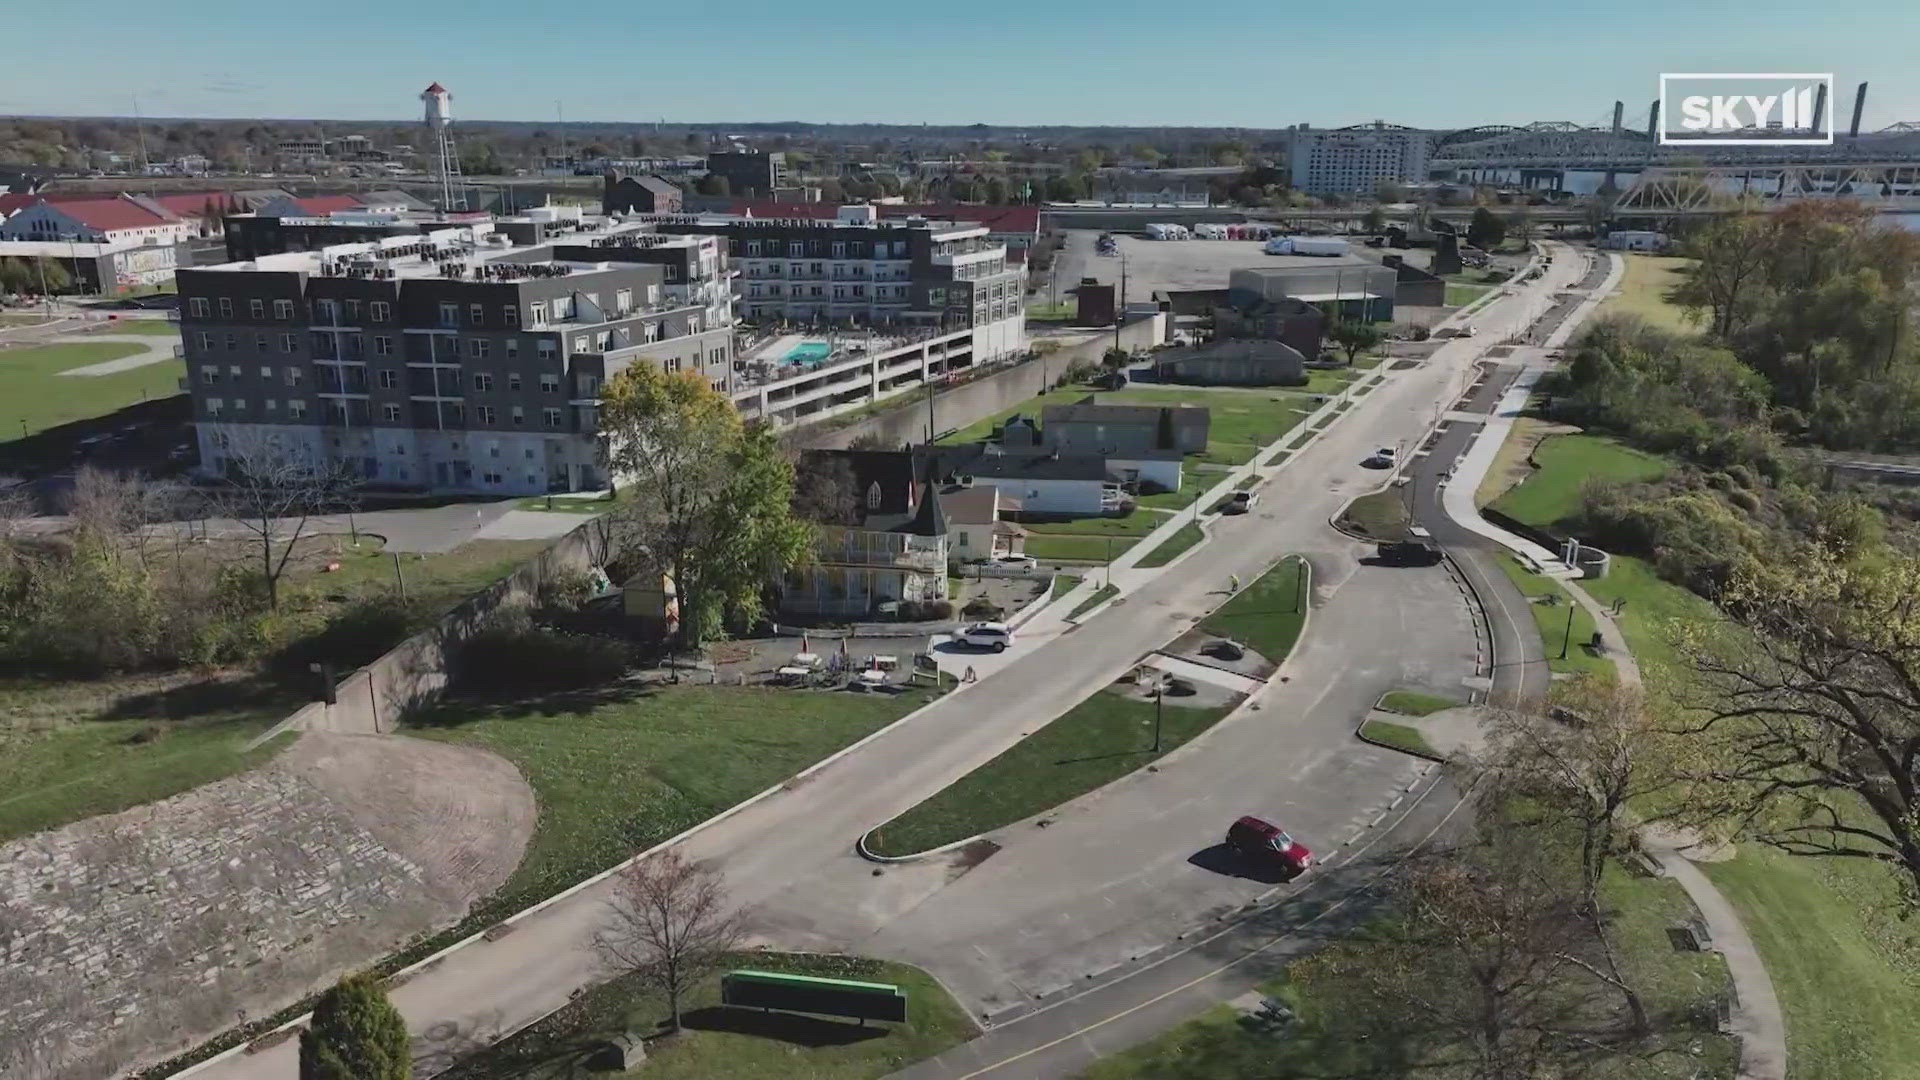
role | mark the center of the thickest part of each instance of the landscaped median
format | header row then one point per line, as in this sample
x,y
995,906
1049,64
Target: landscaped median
x,y
1104,737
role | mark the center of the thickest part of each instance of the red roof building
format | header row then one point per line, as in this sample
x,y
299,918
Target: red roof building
x,y
96,220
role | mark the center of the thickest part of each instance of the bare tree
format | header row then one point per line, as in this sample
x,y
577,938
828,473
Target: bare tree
x,y
274,494
1810,721
1603,751
669,924
117,508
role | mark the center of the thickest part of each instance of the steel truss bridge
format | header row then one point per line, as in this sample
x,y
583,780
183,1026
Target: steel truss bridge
x,y
1560,146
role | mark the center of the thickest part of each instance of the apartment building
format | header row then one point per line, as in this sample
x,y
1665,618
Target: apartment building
x,y
749,172
859,270
1355,160
456,360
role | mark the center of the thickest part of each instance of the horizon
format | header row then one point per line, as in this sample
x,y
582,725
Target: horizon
x,y
1072,66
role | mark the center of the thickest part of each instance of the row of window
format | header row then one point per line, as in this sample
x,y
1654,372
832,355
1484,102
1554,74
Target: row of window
x,y
389,378
551,417
838,249
840,292
330,311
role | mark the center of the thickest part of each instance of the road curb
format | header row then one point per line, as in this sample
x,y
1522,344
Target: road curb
x,y
1359,732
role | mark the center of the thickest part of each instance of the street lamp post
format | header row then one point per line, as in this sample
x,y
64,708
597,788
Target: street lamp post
x,y
1566,639
1159,708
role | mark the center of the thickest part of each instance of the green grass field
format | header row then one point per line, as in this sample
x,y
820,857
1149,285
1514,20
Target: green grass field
x,y
143,327
1073,547
1462,295
617,771
1401,736
725,1043
72,750
1100,596
1551,495
1242,421
1195,480
1170,549
1643,292
1552,621
1097,741
1062,585
1383,515
1415,702
34,397
1267,615
1140,522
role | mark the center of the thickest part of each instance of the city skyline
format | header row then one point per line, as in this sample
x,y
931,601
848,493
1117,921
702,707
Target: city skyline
x,y
1246,65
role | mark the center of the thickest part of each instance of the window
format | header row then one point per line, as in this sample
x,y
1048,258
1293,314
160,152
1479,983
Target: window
x,y
214,405
329,312
537,315
197,307
477,313
580,343
226,307
286,343
239,404
206,341
391,412
623,301
457,413
550,417
482,381
589,385
449,314
513,381
283,310
382,345
389,379
272,405
353,311
519,416
259,343
210,373
233,370
266,372
510,315
491,478
486,415
380,310
297,409
873,496
513,348
477,348
549,383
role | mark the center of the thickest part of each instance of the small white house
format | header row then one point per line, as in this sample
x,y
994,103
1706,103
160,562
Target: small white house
x,y
1636,240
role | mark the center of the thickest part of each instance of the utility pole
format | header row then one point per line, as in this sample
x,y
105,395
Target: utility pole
x,y
1120,309
1566,639
1159,707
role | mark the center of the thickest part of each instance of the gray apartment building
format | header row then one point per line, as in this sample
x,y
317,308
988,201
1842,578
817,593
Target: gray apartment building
x,y
859,269
1354,160
455,360
749,172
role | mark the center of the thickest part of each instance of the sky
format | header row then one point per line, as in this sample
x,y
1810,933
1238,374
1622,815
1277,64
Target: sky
x,y
1236,63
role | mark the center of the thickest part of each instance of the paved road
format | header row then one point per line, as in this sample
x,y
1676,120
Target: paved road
x,y
789,855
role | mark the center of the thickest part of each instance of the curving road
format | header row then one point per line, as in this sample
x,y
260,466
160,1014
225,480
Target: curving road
x,y
1111,878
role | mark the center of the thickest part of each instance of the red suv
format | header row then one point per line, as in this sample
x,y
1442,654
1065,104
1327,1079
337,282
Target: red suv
x,y
1263,841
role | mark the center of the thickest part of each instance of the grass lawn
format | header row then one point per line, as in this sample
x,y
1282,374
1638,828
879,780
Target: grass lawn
x,y
1462,295
1415,702
1551,495
583,507
619,770
1246,482
1074,547
1100,596
145,327
1655,612
34,394
1266,616
1331,380
1194,482
1330,1042
1140,522
732,1042
1643,292
1553,624
1170,548
1097,741
71,750
1400,736
1242,421
1841,960
1062,585
1382,515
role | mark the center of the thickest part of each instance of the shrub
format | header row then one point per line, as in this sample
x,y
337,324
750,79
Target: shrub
x,y
566,590
356,1034
1745,500
982,608
357,634
1740,475
937,609
513,654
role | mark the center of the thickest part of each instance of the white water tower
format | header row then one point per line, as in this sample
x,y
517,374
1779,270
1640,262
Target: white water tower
x,y
439,120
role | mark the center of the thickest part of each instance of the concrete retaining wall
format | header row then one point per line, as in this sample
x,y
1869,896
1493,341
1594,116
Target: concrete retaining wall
x,y
981,398
374,699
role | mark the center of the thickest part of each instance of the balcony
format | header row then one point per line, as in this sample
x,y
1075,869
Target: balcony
x,y
842,555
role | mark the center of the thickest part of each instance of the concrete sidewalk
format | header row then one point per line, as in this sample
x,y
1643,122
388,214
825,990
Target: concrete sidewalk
x,y
1757,1019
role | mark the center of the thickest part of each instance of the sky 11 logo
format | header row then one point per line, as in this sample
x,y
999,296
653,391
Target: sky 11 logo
x,y
1771,109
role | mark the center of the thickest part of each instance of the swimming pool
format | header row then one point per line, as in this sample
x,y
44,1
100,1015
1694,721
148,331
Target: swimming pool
x,y
809,352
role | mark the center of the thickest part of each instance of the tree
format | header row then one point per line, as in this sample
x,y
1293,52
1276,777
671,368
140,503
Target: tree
x,y
669,924
17,277
995,191
355,1034
715,185
1810,722
823,488
1520,223
1485,230
1115,358
712,497
1726,277
273,495
1354,337
1390,191
1374,220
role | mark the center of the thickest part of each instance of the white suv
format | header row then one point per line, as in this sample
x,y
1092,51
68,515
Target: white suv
x,y
986,635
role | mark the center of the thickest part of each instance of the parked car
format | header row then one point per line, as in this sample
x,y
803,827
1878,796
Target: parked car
x,y
1264,842
1382,458
1407,553
1239,502
985,635
1018,562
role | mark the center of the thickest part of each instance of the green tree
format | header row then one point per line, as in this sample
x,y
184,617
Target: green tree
x,y
1485,230
1727,275
15,277
1065,189
355,1034
712,497
1354,337
714,184
995,191
1389,191
1520,223
1374,220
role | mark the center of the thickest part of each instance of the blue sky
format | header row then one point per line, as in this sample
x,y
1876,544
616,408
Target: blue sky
x,y
1253,63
